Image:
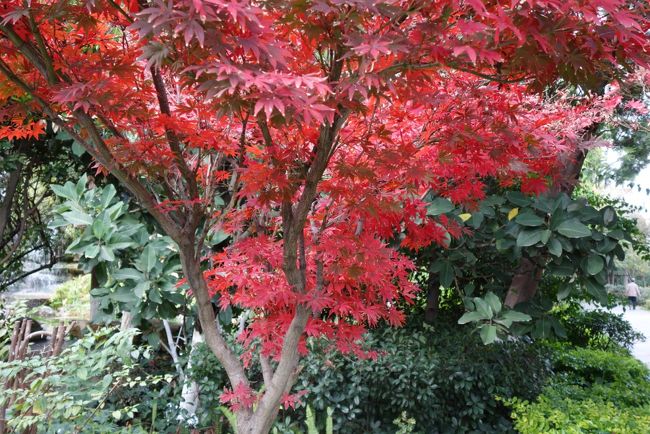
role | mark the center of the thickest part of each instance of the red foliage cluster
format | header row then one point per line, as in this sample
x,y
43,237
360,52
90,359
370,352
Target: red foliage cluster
x,y
336,116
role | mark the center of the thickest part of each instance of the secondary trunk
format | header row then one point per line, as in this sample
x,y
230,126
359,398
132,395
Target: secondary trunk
x,y
528,274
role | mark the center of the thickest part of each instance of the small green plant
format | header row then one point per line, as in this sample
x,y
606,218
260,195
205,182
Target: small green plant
x,y
311,421
73,296
404,423
490,317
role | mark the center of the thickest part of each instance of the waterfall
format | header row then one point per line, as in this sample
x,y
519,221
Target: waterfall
x,y
40,284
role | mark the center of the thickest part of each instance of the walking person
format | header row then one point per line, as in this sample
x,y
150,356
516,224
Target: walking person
x,y
632,292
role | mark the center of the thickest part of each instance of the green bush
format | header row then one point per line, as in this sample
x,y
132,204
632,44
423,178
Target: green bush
x,y
599,329
73,296
440,376
594,391
569,416
69,392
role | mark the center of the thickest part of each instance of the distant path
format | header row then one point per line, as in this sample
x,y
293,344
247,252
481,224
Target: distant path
x,y
640,320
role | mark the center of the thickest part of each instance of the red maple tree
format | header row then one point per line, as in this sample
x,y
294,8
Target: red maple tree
x,y
310,132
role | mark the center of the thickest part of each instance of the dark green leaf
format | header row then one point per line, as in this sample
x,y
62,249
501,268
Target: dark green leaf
x,y
573,228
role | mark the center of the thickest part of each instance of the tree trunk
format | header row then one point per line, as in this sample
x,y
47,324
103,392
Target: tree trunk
x,y
190,394
433,298
528,274
94,301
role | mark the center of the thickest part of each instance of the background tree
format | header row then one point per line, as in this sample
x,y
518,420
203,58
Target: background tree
x,y
28,164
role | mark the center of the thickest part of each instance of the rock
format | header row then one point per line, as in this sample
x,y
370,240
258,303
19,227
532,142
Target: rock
x,y
45,312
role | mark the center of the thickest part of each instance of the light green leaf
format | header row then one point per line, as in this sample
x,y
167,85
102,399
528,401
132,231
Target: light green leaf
x,y
488,333
470,317
493,301
483,308
106,254
77,218
148,258
91,251
609,215
127,274
439,205
516,316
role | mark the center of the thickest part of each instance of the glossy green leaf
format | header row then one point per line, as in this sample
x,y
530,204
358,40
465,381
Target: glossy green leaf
x,y
528,238
573,228
594,264
529,219
439,205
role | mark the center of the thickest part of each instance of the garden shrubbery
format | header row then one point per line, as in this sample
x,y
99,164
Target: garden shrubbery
x,y
594,391
599,329
441,377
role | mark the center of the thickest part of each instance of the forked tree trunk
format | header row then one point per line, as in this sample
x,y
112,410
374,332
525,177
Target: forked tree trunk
x,y
261,419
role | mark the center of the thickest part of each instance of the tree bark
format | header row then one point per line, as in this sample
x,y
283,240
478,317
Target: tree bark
x,y
433,298
528,274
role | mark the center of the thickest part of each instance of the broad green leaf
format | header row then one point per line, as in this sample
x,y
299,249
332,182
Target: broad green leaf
x,y
488,333
529,219
516,316
77,218
573,228
565,291
127,274
77,149
154,295
81,184
124,295
446,274
597,291
609,215
471,317
595,264
106,254
66,191
528,238
616,234
493,301
483,308
108,193
518,198
546,235
148,258
91,251
99,228
439,205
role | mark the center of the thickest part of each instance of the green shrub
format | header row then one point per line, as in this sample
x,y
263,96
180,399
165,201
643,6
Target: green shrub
x,y
73,296
594,391
440,376
569,416
599,329
68,393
